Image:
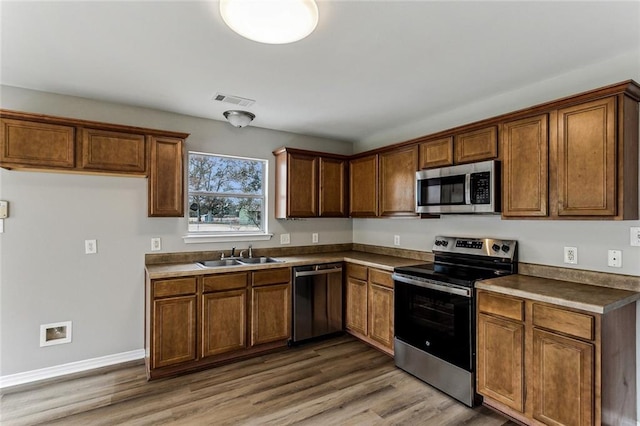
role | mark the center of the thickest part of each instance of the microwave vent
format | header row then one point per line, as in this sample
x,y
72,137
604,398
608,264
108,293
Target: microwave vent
x,y
235,100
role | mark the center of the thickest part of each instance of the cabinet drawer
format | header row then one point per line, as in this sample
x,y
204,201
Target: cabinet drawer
x,y
501,305
571,323
381,278
357,271
224,282
271,276
174,287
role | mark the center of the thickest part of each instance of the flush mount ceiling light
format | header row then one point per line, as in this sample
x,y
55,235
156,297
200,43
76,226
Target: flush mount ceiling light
x,y
239,118
271,21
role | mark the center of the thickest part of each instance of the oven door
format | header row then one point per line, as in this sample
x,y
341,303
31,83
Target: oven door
x,y
435,318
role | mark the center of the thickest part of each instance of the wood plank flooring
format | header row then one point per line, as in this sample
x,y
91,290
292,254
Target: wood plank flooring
x,y
340,381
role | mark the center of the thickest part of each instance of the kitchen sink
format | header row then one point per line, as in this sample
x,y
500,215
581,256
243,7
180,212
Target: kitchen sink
x,y
218,263
254,260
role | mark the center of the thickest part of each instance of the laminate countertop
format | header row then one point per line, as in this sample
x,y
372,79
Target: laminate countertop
x,y
379,261
590,298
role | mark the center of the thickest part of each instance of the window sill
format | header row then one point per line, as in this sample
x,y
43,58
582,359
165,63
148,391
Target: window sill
x,y
224,238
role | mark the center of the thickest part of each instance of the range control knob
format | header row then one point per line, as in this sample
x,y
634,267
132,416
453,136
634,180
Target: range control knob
x,y
495,247
445,243
505,248
438,242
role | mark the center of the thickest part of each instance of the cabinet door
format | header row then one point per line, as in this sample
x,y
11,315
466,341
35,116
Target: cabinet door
x,y
270,313
381,314
174,331
333,185
436,153
478,145
562,380
224,322
166,189
356,311
587,159
398,182
525,151
363,187
500,360
112,151
302,184
27,143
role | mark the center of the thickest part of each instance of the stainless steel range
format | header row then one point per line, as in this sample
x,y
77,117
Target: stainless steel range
x,y
435,311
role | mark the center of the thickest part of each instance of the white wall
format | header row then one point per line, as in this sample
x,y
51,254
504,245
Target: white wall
x,y
45,276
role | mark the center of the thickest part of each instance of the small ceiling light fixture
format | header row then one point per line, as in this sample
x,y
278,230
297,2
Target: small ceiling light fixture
x,y
271,21
239,118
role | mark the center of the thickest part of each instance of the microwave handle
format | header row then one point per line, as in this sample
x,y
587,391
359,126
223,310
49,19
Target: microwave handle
x,y
467,188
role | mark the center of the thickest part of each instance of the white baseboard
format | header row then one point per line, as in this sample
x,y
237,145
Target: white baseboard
x,y
72,367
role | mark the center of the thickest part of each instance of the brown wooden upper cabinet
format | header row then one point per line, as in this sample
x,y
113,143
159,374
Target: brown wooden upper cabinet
x,y
384,184
436,153
363,186
166,180
576,162
29,144
398,182
310,184
41,142
476,145
110,151
525,153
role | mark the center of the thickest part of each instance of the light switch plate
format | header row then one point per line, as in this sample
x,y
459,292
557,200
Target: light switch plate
x,y
285,238
90,247
4,209
314,238
634,236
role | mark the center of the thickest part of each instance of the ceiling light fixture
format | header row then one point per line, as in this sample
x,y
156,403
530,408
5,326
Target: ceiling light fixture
x,y
239,118
271,21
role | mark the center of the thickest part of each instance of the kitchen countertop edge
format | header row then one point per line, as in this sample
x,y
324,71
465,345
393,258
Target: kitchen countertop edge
x,y
384,262
585,297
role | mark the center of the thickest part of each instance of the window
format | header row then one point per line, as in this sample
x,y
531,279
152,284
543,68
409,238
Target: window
x,y
227,195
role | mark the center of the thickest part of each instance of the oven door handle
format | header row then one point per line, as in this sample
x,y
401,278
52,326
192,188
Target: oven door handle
x,y
466,292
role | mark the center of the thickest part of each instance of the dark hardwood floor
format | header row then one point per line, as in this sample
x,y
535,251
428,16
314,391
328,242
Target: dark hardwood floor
x,y
335,382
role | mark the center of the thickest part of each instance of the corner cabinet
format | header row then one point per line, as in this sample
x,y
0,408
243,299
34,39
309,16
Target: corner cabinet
x,y
542,363
310,184
369,306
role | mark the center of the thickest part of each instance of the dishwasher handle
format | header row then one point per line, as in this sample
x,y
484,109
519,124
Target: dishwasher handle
x,y
317,272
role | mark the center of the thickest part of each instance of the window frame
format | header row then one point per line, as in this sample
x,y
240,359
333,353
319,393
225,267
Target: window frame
x,y
207,236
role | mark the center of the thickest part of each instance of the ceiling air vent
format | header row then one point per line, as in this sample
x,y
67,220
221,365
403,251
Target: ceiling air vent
x,y
235,100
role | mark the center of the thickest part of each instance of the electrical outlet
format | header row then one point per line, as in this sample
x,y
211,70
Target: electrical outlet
x,y
156,244
396,240
571,255
634,236
615,258
314,238
285,238
90,247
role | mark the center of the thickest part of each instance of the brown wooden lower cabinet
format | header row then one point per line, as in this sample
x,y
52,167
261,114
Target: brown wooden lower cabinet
x,y
196,322
369,306
545,364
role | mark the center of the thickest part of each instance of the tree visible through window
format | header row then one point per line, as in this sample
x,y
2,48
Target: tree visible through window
x,y
226,194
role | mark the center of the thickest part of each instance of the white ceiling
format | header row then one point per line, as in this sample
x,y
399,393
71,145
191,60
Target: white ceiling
x,y
369,66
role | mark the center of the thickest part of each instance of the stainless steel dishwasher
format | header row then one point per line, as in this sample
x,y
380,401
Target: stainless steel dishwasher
x,y
317,301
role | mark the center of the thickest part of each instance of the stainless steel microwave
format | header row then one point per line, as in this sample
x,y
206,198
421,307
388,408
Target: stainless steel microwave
x,y
465,188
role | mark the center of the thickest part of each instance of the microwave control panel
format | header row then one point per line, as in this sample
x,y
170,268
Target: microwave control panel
x,y
481,188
